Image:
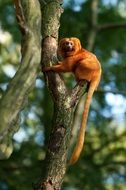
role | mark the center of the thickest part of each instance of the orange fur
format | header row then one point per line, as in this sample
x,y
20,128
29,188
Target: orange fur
x,y
85,66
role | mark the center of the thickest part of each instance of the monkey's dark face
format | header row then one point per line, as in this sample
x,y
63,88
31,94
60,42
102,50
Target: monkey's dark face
x,y
68,46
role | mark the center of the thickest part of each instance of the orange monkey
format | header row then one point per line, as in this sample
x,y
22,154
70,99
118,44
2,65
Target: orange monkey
x,y
85,66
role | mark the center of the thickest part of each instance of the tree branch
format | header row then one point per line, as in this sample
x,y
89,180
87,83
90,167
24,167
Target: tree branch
x,y
14,99
93,27
111,26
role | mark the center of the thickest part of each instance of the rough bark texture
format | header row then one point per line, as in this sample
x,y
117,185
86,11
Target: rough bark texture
x,y
14,99
64,100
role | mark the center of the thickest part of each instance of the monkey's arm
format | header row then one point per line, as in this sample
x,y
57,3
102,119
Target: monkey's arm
x,y
56,68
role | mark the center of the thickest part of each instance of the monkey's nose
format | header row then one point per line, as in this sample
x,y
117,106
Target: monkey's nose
x,y
67,43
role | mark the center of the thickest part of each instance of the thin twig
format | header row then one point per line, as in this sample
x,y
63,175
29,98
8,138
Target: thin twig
x,y
111,26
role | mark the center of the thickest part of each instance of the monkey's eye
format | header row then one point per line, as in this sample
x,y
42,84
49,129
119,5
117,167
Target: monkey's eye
x,y
67,43
71,43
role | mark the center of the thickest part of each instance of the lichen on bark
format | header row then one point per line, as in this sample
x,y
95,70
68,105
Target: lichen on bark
x,y
65,101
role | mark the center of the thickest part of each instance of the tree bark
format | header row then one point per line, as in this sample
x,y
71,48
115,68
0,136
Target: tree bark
x,y
65,101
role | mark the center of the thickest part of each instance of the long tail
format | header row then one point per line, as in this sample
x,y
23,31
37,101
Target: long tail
x,y
80,141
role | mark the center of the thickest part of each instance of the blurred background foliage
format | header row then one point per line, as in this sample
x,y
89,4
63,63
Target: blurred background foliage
x,y
103,163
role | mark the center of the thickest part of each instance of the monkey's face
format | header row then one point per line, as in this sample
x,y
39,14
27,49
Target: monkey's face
x,y
69,46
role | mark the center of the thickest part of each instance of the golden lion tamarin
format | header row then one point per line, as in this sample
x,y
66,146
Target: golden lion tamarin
x,y
85,66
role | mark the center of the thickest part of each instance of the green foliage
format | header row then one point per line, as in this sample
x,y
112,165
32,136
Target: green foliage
x,y
101,160
102,165
8,19
23,168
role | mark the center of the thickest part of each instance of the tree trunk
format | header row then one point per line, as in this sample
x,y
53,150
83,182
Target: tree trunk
x,y
64,100
14,99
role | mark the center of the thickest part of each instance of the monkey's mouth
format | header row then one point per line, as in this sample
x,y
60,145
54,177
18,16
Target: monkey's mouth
x,y
68,48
